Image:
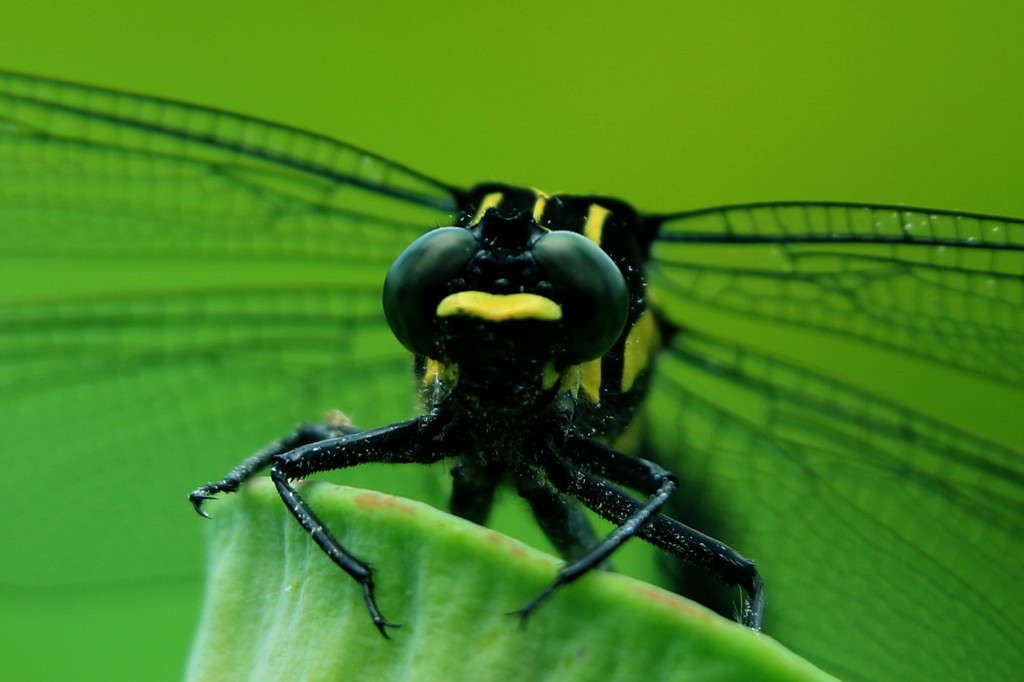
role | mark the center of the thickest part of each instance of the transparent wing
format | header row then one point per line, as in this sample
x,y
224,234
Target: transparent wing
x,y
178,285
844,389
942,285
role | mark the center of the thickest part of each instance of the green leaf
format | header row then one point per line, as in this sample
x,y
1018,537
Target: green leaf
x,y
277,608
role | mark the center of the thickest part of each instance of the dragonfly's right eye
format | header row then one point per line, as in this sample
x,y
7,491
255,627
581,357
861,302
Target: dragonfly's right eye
x,y
418,280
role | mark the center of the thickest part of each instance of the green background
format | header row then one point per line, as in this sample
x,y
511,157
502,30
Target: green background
x,y
669,105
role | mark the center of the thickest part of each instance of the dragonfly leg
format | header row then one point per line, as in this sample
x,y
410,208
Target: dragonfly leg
x,y
310,432
655,481
473,487
582,473
561,519
398,443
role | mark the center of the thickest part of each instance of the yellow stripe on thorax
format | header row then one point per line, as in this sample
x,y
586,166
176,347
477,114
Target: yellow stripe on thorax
x,y
435,370
590,380
539,205
585,377
593,229
637,352
489,201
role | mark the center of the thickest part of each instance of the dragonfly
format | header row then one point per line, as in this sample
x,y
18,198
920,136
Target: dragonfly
x,y
182,284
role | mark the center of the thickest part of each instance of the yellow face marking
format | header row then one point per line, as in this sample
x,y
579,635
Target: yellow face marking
x,y
639,345
594,227
590,380
499,308
489,201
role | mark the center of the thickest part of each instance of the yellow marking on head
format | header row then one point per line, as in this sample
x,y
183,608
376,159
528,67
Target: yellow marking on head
x,y
499,308
590,380
594,227
638,349
489,201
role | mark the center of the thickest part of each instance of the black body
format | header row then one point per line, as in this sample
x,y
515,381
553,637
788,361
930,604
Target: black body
x,y
510,396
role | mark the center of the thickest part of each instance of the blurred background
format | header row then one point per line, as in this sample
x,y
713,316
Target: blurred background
x,y
668,105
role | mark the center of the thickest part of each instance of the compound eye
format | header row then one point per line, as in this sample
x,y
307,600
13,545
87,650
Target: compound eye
x,y
418,280
590,288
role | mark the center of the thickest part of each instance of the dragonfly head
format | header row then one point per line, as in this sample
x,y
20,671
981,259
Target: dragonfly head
x,y
509,305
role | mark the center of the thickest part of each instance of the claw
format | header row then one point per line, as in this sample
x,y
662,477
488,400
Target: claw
x,y
382,626
524,615
197,500
371,606
527,609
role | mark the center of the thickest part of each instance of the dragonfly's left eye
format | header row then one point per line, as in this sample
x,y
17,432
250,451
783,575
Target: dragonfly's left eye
x,y
590,289
418,280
